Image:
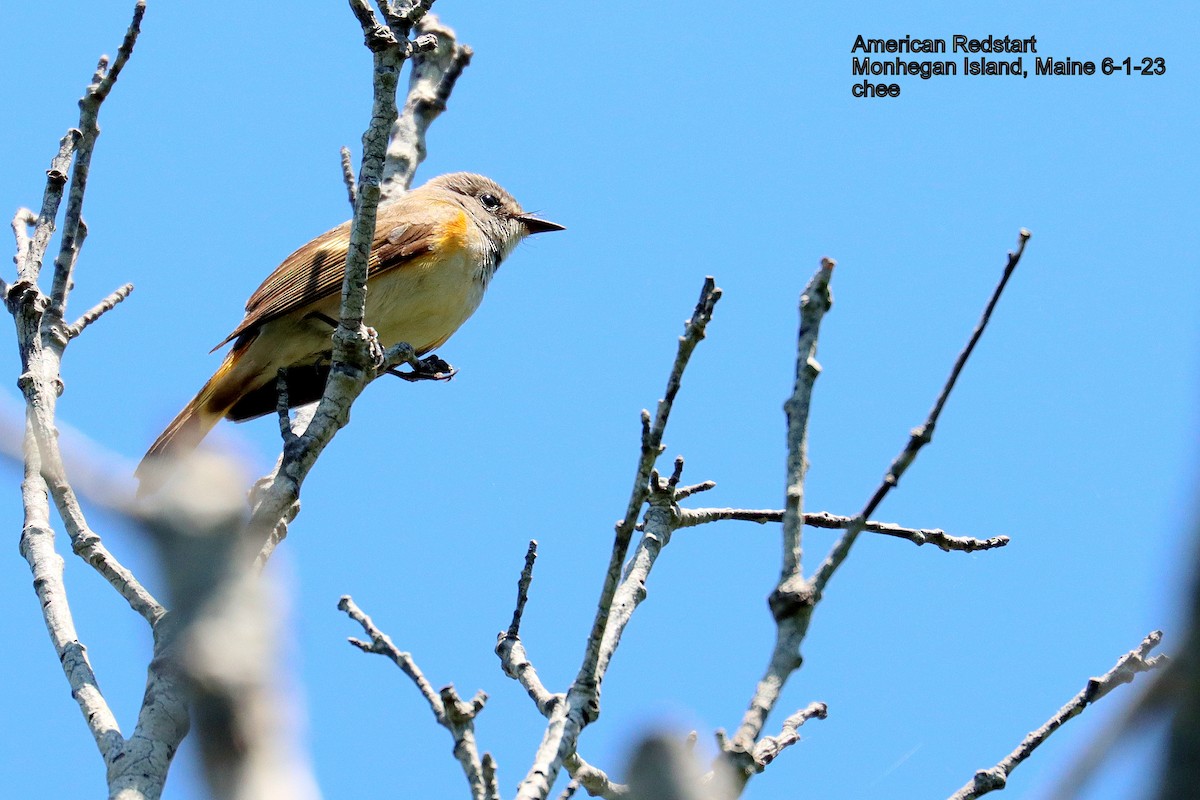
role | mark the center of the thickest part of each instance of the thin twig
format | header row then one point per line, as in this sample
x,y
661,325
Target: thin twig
x,y
768,747
596,781
44,223
568,719
788,602
920,436
348,178
918,536
99,310
514,628
514,661
73,230
434,75
1127,667
22,220
452,713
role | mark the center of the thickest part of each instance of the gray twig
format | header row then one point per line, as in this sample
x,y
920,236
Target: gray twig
x,y
434,74
920,436
514,661
596,781
348,178
1126,668
99,310
622,591
73,231
450,711
768,747
918,536
791,618
353,366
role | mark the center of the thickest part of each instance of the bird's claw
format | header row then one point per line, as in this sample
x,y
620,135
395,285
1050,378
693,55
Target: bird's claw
x,y
378,357
430,368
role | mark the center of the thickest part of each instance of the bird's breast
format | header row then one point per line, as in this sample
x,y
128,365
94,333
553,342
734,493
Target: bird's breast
x,y
426,300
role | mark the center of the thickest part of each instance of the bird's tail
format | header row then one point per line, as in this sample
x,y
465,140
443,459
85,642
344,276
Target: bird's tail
x,y
193,423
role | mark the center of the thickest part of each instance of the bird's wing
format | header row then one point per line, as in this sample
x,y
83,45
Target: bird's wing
x,y
404,231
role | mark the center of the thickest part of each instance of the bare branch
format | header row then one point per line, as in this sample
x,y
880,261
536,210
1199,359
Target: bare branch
x,y
56,180
514,661
790,602
226,637
99,310
381,644
42,337
353,361
685,492
448,709
22,220
921,435
918,536
281,409
434,74
566,720
1127,667
348,178
814,303
73,231
769,747
514,627
37,547
594,780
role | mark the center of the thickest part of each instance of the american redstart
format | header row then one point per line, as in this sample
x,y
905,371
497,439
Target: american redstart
x,y
434,252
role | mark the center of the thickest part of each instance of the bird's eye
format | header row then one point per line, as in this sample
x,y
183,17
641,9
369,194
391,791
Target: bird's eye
x,y
490,201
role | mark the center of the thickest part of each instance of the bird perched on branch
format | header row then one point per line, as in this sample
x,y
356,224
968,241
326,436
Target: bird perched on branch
x,y
434,252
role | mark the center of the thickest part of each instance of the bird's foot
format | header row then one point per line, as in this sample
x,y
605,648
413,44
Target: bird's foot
x,y
378,357
430,368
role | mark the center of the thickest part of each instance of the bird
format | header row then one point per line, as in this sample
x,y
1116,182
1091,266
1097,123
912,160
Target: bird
x,y
433,255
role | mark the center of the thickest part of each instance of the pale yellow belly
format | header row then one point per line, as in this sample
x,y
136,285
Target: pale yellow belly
x,y
418,304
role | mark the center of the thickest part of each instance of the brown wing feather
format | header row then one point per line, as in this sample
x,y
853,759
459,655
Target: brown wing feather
x,y
403,232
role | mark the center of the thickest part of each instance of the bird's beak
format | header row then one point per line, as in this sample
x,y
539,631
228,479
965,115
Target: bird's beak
x,y
535,225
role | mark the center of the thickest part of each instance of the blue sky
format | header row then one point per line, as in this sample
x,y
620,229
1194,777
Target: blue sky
x,y
674,140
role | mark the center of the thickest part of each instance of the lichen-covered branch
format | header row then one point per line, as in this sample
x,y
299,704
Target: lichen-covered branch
x,y
137,766
353,362
434,74
37,547
791,617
